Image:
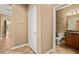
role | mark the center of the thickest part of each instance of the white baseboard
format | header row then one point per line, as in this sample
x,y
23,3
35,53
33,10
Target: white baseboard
x,y
49,51
19,46
33,50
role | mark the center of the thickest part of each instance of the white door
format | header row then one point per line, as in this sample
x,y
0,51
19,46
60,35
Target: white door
x,y
32,28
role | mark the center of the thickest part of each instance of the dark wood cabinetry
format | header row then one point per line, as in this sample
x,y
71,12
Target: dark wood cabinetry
x,y
72,39
76,41
69,40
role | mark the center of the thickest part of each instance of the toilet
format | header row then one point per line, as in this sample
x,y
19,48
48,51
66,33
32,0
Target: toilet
x,y
59,38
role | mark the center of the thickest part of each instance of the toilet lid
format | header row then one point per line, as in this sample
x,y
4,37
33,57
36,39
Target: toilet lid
x,y
58,38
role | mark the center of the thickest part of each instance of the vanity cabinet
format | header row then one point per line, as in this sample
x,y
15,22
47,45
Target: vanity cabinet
x,y
72,40
76,39
69,39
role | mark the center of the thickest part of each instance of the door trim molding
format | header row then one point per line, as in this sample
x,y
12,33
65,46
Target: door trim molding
x,y
54,29
62,7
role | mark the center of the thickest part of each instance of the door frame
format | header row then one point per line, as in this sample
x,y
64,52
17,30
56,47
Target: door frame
x,y
54,24
54,29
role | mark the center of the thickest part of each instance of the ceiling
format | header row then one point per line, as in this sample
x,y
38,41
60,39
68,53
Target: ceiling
x,y
58,6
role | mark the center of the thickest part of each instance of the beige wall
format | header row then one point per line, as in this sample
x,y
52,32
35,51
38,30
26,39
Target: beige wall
x,y
19,24
46,25
61,17
0,25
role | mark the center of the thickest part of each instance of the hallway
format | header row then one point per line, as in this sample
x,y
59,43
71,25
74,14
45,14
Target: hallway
x,y
30,28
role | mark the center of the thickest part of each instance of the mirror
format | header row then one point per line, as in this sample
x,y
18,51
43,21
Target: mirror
x,y
73,22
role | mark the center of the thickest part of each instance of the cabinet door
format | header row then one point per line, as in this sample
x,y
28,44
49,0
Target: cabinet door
x,y
69,39
76,45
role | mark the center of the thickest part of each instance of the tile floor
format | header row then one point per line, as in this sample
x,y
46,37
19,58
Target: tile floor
x,y
59,50
64,50
26,50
